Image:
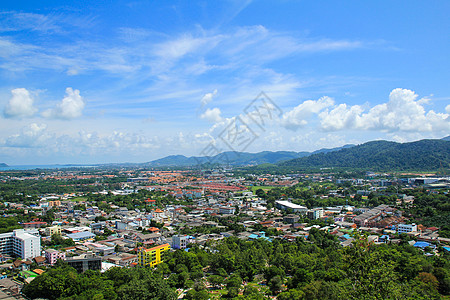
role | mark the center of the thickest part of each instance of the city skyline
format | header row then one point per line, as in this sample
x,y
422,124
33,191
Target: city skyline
x,y
137,81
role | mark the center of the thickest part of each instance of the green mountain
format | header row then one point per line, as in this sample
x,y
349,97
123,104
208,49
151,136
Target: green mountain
x,y
381,155
229,157
235,158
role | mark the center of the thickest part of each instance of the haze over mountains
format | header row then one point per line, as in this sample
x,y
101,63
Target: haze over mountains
x,y
426,155
237,158
382,155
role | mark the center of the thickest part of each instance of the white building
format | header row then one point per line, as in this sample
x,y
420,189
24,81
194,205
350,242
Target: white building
x,y
405,228
284,205
179,241
23,243
314,214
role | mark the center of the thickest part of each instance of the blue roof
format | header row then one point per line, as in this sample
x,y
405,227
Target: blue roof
x,y
447,248
81,235
422,244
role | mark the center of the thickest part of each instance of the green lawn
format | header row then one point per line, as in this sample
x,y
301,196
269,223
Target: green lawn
x,y
78,199
263,187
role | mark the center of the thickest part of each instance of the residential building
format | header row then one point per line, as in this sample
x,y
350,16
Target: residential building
x,y
82,264
56,229
33,224
22,243
291,219
314,214
405,228
153,256
53,255
179,241
226,210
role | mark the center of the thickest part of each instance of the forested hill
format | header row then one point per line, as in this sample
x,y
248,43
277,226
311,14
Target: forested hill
x,y
381,155
3,165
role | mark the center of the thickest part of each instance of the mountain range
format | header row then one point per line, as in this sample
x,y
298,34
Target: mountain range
x,y
377,155
236,158
381,155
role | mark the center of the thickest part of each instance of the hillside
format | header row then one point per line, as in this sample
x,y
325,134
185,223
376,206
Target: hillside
x,y
381,155
229,157
236,158
3,165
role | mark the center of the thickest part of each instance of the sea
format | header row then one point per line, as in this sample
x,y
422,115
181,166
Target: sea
x,y
41,167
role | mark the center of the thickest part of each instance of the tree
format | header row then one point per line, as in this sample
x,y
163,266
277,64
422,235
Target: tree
x,y
260,193
275,284
215,280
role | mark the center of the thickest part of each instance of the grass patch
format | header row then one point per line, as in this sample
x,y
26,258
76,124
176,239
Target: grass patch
x,y
263,187
78,199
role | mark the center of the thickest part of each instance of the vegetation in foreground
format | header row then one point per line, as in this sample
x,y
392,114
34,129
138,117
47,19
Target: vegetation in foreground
x,y
314,269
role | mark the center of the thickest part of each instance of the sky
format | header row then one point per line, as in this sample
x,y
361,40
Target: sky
x,y
132,81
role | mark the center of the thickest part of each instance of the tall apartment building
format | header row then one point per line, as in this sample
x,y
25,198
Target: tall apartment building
x,y
22,243
153,256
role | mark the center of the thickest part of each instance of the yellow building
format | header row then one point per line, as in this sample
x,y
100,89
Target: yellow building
x,y
53,230
153,256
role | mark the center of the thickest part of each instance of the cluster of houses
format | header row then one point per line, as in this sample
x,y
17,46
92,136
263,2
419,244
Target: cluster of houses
x,y
128,238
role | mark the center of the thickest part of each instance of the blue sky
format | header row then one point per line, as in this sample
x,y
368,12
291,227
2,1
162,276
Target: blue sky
x,y
132,81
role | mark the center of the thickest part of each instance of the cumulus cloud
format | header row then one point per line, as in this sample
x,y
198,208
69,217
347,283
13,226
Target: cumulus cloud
x,y
447,109
341,117
20,105
299,115
403,112
207,98
212,115
69,108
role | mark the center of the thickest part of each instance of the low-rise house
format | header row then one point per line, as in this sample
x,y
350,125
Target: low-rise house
x,y
291,219
29,225
53,255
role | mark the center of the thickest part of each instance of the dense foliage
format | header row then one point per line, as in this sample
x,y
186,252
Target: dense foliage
x,y
314,269
381,155
63,282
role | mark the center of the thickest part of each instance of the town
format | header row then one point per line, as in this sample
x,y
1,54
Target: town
x,y
104,218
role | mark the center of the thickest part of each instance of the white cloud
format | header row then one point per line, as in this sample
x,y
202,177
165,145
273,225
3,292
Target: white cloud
x,y
30,136
447,109
70,107
20,105
340,117
207,98
403,112
299,115
212,115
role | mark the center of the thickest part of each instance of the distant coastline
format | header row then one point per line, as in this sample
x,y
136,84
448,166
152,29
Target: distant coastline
x,y
5,167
